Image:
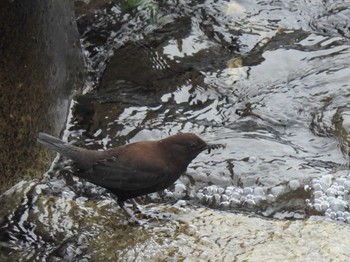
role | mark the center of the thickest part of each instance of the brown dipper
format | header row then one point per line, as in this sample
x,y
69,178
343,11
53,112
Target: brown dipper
x,y
134,169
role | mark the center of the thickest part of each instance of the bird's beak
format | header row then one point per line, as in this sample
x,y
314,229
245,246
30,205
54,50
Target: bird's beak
x,y
209,147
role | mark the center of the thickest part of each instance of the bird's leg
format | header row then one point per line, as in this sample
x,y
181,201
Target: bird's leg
x,y
131,215
134,204
126,210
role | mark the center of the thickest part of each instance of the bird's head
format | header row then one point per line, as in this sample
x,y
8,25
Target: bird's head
x,y
186,146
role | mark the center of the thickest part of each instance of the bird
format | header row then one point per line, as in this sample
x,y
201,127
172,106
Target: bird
x,y
134,169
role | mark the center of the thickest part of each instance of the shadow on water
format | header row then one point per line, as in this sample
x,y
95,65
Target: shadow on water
x,y
269,82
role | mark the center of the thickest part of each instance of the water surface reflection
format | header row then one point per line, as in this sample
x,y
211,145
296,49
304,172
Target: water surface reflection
x,y
268,79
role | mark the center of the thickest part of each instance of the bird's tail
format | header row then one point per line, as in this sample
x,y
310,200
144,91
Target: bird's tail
x,y
83,158
57,145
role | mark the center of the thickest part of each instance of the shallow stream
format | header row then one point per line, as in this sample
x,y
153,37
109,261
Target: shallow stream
x,y
269,79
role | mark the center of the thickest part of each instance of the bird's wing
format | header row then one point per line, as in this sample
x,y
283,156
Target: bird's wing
x,y
110,173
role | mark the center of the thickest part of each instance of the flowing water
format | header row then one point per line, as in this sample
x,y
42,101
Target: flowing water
x,y
269,79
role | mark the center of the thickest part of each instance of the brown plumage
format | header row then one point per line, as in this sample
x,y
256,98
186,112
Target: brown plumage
x,y
134,169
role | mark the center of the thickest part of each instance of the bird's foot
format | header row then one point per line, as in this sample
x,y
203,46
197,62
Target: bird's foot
x,y
143,215
135,205
132,220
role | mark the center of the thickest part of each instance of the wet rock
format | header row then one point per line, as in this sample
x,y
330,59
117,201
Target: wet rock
x,y
226,236
41,64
